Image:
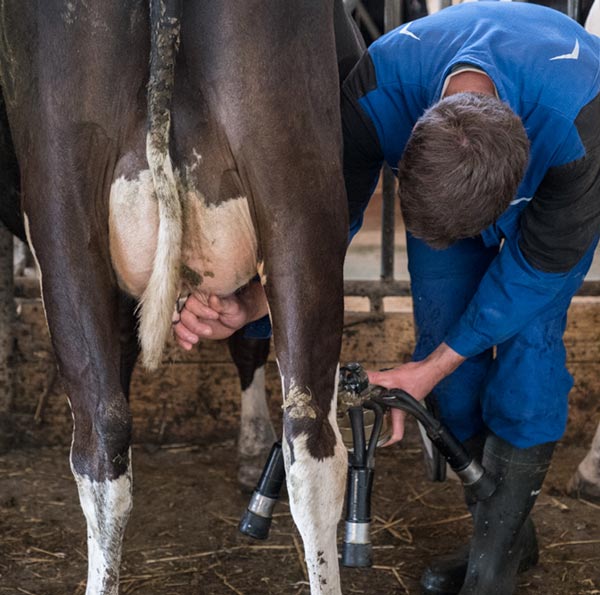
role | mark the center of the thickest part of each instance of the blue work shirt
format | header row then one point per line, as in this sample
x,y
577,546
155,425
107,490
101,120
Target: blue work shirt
x,y
546,67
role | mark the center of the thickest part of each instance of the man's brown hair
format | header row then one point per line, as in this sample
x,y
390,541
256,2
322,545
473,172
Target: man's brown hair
x,y
461,167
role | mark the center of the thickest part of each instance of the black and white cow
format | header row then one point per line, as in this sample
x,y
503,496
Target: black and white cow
x,y
217,159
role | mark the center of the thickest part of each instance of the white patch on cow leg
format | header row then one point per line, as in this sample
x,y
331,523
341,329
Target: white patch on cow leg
x,y
257,434
316,493
589,468
106,506
256,429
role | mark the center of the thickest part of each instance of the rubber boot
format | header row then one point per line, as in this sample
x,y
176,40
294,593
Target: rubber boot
x,y
445,575
499,537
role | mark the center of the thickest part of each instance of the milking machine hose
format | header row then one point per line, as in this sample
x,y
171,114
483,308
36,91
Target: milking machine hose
x,y
478,484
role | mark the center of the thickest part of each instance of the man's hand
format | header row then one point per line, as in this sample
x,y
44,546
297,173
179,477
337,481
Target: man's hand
x,y
218,317
408,377
418,379
212,318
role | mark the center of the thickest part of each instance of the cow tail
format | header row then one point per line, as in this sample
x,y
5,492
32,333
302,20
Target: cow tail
x,y
158,301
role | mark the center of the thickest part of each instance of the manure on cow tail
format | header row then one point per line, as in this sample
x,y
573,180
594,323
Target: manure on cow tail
x,y
158,300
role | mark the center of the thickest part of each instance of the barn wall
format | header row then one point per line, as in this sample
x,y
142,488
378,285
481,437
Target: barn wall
x,y
194,396
6,339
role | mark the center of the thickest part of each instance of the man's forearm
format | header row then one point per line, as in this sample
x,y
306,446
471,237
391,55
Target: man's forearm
x,y
442,362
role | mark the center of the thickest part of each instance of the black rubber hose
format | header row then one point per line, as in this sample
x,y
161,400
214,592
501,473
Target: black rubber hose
x,y
476,481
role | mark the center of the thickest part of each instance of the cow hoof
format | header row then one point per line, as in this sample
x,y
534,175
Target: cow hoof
x,y
579,487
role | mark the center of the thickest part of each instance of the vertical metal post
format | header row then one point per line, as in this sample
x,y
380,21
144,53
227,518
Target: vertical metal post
x,y
574,9
393,17
364,19
388,226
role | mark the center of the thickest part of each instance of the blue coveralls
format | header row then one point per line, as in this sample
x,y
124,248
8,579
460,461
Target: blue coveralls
x,y
510,287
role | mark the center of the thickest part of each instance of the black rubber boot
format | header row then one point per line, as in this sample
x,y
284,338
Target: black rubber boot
x,y
445,575
500,533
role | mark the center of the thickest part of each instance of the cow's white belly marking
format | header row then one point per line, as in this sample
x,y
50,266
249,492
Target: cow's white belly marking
x,y
219,252
133,228
220,246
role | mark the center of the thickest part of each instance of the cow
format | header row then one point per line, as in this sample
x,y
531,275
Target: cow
x,y
166,146
256,432
585,482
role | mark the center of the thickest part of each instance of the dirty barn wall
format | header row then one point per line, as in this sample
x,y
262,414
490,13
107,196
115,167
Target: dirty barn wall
x,y
194,396
7,315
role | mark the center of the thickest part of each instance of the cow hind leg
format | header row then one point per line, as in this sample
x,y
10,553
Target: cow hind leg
x,y
103,473
299,208
585,482
315,486
256,435
101,465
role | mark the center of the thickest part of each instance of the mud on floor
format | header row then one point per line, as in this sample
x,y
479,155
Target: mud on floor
x,y
182,537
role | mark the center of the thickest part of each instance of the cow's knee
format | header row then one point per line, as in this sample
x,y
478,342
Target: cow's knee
x,y
101,436
314,448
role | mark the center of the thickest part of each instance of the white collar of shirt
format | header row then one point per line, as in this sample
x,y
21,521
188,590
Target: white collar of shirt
x,y
464,68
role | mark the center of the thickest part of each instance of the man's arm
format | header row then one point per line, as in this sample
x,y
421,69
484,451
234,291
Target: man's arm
x,y
418,379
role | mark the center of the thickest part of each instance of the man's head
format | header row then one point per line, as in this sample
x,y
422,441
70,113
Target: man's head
x,y
461,167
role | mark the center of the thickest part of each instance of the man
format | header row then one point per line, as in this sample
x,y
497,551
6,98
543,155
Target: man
x,y
491,113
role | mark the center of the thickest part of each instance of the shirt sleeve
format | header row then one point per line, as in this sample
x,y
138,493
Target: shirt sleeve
x,y
511,293
562,221
259,329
